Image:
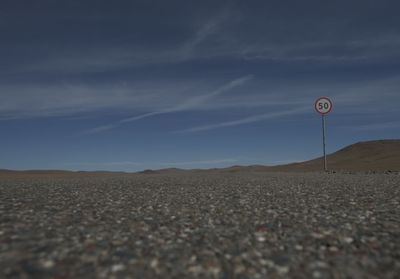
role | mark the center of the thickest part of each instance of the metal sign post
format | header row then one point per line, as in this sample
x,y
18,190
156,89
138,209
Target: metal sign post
x,y
323,142
323,105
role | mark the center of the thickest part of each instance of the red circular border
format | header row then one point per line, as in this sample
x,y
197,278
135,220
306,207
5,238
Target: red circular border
x,y
329,100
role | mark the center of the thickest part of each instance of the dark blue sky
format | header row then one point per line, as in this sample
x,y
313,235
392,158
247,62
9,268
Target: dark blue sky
x,y
130,85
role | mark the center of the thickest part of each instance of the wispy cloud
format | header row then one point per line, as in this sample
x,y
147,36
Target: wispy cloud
x,y
376,126
106,58
320,51
187,105
57,99
230,32
195,101
246,120
210,27
158,96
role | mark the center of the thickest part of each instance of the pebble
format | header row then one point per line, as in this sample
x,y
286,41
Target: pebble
x,y
261,238
316,274
318,264
196,269
48,264
239,269
118,268
333,249
154,263
298,247
317,235
348,240
282,270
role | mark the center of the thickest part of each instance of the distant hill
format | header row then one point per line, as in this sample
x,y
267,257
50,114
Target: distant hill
x,y
161,171
379,156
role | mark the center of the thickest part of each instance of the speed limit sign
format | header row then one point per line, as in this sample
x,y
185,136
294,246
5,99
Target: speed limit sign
x,y
323,105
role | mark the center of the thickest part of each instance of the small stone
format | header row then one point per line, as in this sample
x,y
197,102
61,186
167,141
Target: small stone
x,y
117,268
228,256
261,238
47,264
348,240
316,274
333,249
282,270
319,264
239,269
154,263
214,270
317,235
196,269
133,261
298,247
267,263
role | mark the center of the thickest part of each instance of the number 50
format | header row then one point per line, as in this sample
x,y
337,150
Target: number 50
x,y
323,105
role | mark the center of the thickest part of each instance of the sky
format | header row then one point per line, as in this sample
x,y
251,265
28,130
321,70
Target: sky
x,y
151,84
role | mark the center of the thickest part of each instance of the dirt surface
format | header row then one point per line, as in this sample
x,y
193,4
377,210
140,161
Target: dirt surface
x,y
255,225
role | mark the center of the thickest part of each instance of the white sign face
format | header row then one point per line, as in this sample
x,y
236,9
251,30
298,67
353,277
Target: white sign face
x,y
323,105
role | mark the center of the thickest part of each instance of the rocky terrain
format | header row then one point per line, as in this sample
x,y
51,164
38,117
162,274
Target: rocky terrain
x,y
192,225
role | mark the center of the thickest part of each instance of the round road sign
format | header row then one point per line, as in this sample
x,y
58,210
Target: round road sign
x,y
323,105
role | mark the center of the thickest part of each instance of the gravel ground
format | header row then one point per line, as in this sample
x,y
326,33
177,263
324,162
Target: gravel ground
x,y
272,225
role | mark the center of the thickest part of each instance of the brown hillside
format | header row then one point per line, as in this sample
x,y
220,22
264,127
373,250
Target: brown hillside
x,y
380,155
